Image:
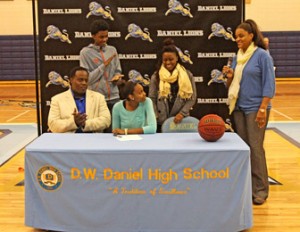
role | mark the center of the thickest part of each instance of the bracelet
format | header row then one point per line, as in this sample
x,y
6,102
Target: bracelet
x,y
262,110
126,131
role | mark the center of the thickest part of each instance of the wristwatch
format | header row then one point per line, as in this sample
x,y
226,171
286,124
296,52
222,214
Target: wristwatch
x,y
262,110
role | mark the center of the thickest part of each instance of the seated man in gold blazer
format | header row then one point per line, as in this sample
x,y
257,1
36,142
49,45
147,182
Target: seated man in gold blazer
x,y
78,110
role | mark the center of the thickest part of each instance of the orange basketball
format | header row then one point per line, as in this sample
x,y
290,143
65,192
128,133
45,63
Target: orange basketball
x,y
211,127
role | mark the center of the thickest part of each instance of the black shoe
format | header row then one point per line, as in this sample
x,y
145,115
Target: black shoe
x,y
258,201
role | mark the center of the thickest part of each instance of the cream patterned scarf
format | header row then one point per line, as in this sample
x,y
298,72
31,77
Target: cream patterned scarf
x,y
242,59
179,73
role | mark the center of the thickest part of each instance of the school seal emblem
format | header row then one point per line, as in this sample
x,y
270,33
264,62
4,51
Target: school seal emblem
x,y
49,178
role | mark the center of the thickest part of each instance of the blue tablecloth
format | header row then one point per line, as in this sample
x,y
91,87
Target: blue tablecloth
x,y
162,183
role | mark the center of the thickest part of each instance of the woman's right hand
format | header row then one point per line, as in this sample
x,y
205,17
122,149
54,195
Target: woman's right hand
x,y
178,118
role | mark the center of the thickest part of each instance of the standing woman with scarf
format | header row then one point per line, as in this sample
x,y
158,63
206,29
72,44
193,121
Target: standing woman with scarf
x,y
172,87
251,82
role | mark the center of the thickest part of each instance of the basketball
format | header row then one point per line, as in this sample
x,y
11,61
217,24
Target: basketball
x,y
211,127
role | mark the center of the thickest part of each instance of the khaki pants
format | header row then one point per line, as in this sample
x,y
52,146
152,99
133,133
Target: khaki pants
x,y
248,130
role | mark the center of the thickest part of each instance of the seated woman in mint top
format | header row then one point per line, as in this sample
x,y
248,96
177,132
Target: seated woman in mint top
x,y
134,114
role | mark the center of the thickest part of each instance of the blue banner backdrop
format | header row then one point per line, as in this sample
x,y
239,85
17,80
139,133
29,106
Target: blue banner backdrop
x,y
202,31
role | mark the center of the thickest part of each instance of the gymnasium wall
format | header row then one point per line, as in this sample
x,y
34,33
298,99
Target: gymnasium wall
x,y
275,15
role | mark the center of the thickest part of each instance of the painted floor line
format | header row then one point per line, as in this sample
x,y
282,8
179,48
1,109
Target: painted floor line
x,y
19,115
278,112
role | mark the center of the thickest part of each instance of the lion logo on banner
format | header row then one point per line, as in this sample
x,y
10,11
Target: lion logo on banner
x,y
137,77
97,10
54,33
56,79
177,8
217,77
219,31
184,56
136,32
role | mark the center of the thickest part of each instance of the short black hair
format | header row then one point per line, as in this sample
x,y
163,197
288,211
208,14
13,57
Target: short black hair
x,y
75,69
99,25
127,88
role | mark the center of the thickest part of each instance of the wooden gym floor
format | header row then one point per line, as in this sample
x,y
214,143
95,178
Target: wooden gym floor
x,y
280,213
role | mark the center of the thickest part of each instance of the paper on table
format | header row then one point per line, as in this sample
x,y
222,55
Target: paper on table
x,y
128,137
